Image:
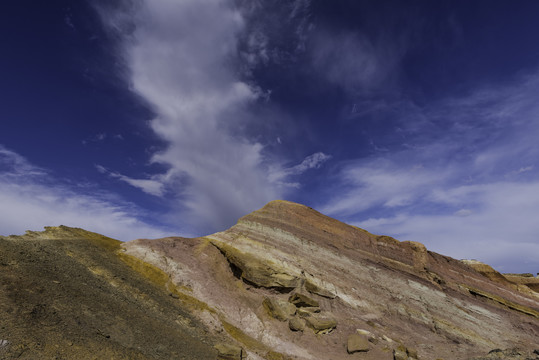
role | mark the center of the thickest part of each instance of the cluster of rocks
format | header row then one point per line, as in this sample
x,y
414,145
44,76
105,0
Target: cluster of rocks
x,y
404,353
509,354
300,311
359,342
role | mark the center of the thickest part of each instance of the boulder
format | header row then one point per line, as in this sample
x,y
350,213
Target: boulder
x,y
404,353
229,352
321,324
315,289
400,353
412,353
257,270
296,324
308,311
279,309
301,300
357,343
370,336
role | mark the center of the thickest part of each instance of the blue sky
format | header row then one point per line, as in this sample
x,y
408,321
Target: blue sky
x,y
415,119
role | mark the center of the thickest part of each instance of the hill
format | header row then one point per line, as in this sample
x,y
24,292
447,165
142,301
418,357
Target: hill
x,y
285,282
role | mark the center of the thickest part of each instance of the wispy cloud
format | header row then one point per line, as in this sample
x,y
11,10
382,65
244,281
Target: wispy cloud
x,y
282,175
500,230
381,182
32,198
275,32
154,186
101,137
352,60
13,165
183,60
313,161
465,183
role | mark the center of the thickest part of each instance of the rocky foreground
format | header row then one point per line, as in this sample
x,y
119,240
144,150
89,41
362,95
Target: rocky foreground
x,y
286,282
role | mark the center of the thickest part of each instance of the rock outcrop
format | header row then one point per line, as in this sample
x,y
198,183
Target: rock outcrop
x,y
229,352
403,353
285,282
526,280
279,309
300,300
357,343
321,323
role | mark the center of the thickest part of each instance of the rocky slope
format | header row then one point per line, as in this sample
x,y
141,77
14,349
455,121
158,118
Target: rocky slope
x,y
286,282
66,294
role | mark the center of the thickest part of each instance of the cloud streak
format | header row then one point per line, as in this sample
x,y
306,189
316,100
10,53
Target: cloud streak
x,y
500,230
352,61
150,186
280,175
464,182
32,198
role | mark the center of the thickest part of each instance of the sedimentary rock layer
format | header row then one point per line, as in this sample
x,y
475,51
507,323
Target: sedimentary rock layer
x,y
285,282
399,292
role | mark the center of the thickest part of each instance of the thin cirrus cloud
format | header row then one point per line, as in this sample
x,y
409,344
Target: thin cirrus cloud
x,y
501,230
32,198
465,183
275,32
182,59
281,174
154,186
353,61
349,60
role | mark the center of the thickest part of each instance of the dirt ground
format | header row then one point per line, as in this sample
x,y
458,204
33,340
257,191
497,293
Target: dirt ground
x,y
75,299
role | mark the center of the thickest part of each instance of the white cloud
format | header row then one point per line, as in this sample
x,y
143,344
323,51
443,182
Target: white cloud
x,y
314,161
466,185
525,169
154,186
32,199
382,182
97,138
501,231
463,212
182,58
275,32
16,166
353,61
149,186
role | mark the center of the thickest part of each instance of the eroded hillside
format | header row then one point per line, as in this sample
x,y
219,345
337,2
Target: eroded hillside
x,y
286,282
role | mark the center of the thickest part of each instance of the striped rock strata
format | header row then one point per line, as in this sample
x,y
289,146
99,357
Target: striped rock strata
x,y
285,282
427,305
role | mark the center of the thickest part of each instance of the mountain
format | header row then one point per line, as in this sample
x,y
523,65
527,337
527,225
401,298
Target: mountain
x,y
285,282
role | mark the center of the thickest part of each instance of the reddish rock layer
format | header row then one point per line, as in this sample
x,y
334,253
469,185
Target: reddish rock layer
x,y
404,296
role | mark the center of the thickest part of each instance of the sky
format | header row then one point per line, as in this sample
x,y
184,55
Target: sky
x,y
149,118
